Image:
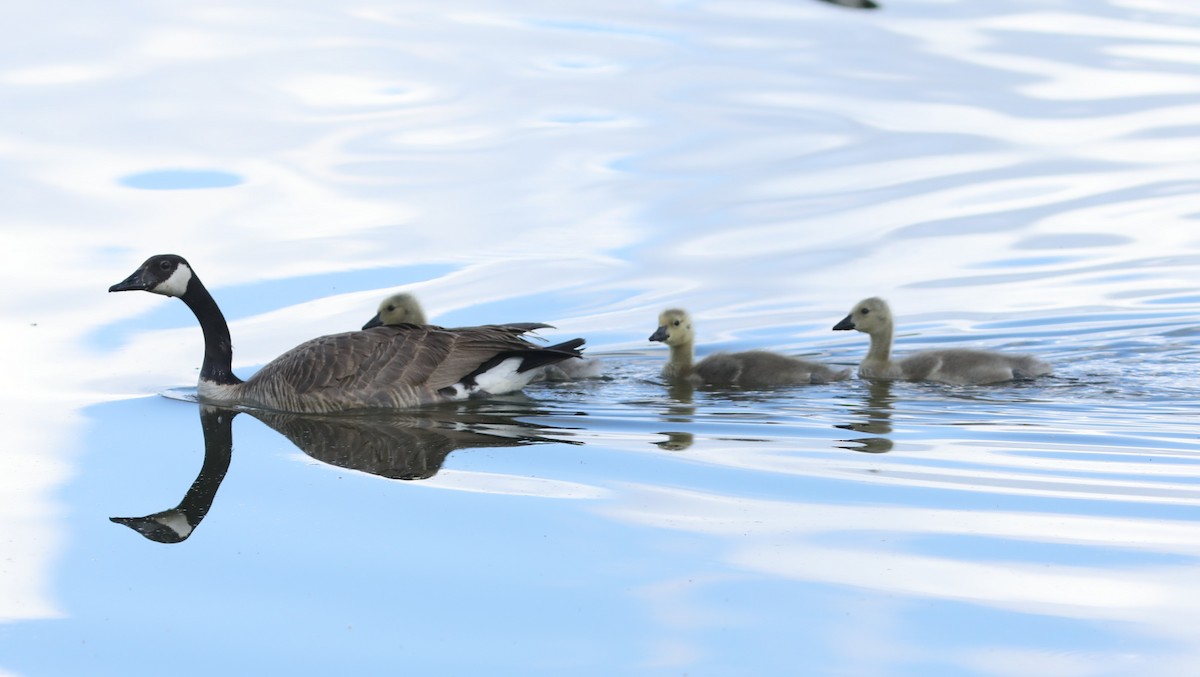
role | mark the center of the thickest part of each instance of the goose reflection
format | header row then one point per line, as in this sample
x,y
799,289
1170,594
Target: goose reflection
x,y
874,418
402,447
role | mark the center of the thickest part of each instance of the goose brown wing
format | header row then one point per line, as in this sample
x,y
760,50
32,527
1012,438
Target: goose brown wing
x,y
472,346
522,327
357,361
387,358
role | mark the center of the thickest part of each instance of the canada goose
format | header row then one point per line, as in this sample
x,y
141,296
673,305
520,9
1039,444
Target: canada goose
x,y
381,368
404,308
749,369
408,446
959,366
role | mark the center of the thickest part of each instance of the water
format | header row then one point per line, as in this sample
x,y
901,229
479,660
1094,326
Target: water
x,y
1012,175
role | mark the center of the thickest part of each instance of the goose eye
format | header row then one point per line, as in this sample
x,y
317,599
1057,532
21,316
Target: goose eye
x,y
164,264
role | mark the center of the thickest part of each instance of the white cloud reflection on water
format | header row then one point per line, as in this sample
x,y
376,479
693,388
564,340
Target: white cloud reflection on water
x,y
785,539
494,483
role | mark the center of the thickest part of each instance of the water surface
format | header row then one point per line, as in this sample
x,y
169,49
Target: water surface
x,y
1009,175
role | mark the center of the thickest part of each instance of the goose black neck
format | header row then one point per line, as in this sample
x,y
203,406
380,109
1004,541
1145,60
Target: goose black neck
x,y
218,348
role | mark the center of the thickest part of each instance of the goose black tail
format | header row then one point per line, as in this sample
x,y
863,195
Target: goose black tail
x,y
531,358
558,352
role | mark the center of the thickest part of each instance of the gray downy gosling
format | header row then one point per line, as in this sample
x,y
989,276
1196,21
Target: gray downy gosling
x,y
748,369
959,366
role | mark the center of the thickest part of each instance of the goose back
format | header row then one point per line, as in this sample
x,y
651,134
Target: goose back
x,y
390,367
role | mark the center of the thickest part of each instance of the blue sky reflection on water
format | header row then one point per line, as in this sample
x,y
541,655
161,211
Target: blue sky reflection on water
x,y
181,179
1007,175
712,573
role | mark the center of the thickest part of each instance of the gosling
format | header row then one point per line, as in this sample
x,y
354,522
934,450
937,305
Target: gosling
x,y
958,366
748,369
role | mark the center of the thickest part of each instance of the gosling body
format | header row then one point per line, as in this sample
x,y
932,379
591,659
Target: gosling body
x,y
958,366
746,369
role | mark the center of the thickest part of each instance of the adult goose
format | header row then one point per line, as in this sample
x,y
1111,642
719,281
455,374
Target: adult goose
x,y
381,368
960,366
403,308
748,369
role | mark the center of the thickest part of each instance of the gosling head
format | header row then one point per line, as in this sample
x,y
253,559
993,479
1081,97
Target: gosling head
x,y
165,274
397,309
674,328
869,316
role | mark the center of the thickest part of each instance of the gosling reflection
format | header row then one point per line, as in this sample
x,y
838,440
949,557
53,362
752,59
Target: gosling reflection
x,y
875,419
681,391
176,524
676,441
402,447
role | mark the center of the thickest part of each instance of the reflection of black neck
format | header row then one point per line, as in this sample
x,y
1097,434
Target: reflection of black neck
x,y
218,348
176,524
218,452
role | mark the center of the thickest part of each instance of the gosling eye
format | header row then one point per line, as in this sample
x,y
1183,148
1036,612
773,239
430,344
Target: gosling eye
x,y
676,323
864,311
391,308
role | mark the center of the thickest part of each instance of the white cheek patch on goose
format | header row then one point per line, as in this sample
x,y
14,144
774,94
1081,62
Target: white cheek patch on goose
x,y
177,284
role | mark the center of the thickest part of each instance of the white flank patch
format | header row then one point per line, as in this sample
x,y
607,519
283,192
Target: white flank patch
x,y
503,378
177,284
